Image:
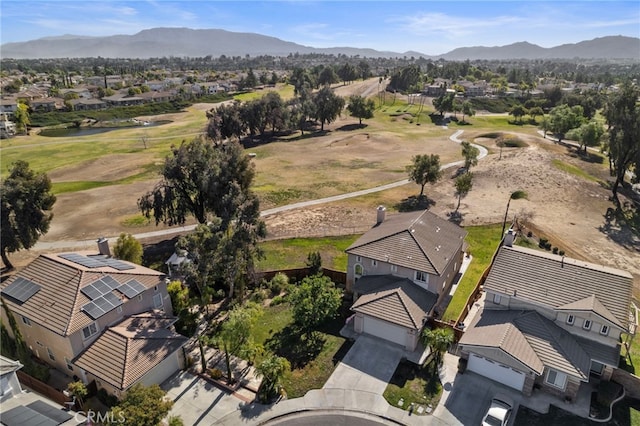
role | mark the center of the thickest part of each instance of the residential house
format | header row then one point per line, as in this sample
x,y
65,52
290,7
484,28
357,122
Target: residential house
x,y
47,104
7,128
399,270
84,104
9,383
8,105
548,322
67,305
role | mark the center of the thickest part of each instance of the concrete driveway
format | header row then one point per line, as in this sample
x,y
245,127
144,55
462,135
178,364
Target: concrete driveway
x,y
368,366
197,401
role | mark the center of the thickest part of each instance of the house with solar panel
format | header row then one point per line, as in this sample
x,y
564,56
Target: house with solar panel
x,y
96,318
549,322
399,270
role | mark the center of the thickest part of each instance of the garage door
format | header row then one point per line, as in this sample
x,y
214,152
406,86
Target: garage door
x,y
385,330
496,371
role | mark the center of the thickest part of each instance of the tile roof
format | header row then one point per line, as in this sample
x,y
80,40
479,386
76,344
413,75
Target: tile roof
x,y
545,278
533,340
58,305
417,240
393,299
127,351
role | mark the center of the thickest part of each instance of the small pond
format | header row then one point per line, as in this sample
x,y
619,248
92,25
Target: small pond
x,y
87,131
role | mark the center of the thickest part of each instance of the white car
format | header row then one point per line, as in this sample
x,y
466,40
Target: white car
x,y
499,411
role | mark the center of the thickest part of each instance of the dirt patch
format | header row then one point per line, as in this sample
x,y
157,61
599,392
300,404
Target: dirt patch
x,y
107,168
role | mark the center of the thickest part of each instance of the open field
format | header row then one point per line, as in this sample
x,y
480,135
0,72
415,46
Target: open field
x,y
99,179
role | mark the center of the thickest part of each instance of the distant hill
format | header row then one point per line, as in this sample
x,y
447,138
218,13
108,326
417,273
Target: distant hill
x,y
159,42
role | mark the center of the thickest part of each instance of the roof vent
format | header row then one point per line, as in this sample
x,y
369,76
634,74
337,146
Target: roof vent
x,y
437,229
381,213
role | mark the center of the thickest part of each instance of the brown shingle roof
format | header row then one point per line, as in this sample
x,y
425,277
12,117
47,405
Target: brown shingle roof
x,y
416,240
558,282
393,299
127,351
531,339
58,305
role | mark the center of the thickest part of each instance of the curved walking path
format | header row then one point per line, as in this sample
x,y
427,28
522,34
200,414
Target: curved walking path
x,y
181,229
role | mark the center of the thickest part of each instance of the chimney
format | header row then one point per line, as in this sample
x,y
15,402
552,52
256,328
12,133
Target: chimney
x,y
103,246
381,213
509,237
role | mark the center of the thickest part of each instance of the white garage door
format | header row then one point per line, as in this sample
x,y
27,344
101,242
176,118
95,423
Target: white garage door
x,y
495,371
393,333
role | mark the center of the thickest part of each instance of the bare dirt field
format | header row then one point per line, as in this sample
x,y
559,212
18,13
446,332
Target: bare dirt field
x,y
569,210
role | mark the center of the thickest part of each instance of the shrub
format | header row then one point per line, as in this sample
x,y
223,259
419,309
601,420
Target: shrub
x,y
215,373
278,284
278,300
529,234
561,252
555,250
106,398
543,242
258,295
175,421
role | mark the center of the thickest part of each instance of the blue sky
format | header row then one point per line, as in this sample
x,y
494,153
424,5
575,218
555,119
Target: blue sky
x,y
429,27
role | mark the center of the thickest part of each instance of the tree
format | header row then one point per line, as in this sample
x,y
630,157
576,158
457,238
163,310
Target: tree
x,y
327,76
444,103
234,337
328,106
314,301
314,262
128,248
590,134
564,118
424,169
360,107
438,341
467,109
26,204
623,119
203,179
535,111
463,185
518,112
79,392
272,369
470,154
142,406
22,118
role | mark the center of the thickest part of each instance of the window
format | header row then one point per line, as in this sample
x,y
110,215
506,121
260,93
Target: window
x,y
68,362
604,329
496,298
422,277
51,356
358,259
89,330
586,324
394,268
358,271
155,288
556,378
119,309
570,319
139,298
157,301
26,321
374,262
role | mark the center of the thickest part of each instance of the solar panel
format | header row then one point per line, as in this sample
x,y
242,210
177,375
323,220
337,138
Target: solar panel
x,y
97,261
93,310
131,288
101,287
113,300
103,304
108,280
54,413
91,292
21,289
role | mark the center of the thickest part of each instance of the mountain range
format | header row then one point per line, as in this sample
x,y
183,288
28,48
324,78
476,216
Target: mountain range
x,y
185,42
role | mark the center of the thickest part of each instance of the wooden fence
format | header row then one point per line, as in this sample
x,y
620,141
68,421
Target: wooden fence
x,y
42,388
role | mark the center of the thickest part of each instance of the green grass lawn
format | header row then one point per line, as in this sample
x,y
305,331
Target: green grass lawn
x,y
413,385
483,242
312,364
571,169
292,253
625,412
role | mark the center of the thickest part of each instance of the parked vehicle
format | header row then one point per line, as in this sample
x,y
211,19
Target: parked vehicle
x,y
499,412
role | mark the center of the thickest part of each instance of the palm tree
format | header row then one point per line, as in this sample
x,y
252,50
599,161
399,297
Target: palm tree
x,y
438,341
272,369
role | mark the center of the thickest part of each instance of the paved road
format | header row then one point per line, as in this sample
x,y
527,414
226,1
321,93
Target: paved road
x,y
182,229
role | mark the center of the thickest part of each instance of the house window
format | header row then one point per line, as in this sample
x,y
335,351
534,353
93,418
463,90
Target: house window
x,y
51,356
358,271
556,378
68,362
604,329
26,321
157,301
496,298
119,309
358,259
374,262
155,288
394,268
422,277
586,324
140,298
89,330
570,319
